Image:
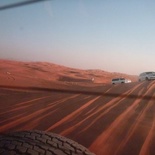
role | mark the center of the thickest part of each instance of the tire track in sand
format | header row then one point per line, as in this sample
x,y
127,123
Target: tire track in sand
x,y
28,115
109,139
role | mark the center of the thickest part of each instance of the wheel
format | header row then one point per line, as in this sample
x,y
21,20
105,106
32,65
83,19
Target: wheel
x,y
39,143
147,79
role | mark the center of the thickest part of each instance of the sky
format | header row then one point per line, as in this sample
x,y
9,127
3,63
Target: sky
x,y
115,36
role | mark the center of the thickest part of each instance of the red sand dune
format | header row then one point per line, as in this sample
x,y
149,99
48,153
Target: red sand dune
x,y
14,72
107,119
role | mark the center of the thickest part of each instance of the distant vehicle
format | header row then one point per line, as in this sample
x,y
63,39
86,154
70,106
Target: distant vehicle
x,y
147,76
120,80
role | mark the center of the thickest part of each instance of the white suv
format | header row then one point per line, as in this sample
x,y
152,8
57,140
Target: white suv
x,y
147,76
120,80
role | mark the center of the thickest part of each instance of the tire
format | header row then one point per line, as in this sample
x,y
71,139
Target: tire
x,y
39,143
147,79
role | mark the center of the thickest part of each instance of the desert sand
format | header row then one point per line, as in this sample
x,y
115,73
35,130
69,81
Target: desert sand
x,y
107,119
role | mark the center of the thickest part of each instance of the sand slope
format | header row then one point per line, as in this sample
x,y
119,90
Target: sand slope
x,y
15,72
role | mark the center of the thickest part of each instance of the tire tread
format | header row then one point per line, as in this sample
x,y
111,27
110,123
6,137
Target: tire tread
x,y
36,142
